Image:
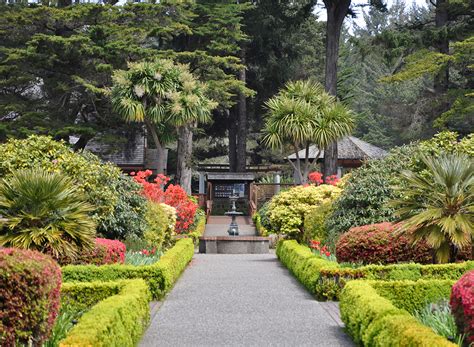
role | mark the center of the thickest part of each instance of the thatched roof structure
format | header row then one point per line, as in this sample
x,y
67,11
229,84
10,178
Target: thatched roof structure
x,y
348,148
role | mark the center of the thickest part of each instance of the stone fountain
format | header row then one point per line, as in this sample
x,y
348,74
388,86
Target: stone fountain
x,y
233,227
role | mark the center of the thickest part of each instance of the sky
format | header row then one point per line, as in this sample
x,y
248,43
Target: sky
x,y
359,20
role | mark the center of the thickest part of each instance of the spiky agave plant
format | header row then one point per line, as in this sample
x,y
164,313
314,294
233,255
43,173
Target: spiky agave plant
x,y
45,212
438,204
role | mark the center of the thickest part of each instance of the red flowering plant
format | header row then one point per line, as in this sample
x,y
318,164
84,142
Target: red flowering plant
x,y
321,250
159,190
143,257
316,178
462,305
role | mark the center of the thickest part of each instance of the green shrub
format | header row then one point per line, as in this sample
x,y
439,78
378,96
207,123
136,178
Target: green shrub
x,y
29,296
128,217
199,226
257,221
161,220
45,212
326,278
160,276
287,210
372,320
315,222
369,188
263,212
117,208
119,320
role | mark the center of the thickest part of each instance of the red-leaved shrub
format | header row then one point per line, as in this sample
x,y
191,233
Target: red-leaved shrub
x,y
462,305
377,244
173,195
30,284
104,252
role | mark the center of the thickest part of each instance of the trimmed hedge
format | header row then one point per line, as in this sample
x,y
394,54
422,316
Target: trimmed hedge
x,y
160,276
82,296
29,296
326,278
119,320
373,320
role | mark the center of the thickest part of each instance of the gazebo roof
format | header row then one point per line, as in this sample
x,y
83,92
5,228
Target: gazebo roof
x,y
348,147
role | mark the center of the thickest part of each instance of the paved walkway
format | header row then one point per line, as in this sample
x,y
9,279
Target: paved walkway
x,y
241,300
218,225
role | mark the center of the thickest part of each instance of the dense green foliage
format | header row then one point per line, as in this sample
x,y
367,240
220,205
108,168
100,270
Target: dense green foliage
x,y
45,212
160,276
30,292
366,196
117,208
373,320
118,320
288,209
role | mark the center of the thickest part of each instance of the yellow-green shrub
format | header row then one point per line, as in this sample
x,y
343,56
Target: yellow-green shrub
x,y
287,210
314,222
161,220
118,320
373,320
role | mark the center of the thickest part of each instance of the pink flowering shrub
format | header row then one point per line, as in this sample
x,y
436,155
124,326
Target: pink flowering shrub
x,y
172,195
30,284
104,252
462,305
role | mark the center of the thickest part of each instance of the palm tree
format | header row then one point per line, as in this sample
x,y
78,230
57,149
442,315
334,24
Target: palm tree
x,y
437,204
303,114
161,94
45,212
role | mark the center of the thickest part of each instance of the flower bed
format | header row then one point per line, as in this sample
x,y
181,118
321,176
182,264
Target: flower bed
x,y
376,313
326,278
117,320
160,276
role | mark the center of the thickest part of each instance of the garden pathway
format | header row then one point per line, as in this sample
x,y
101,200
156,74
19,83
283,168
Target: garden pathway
x,y
242,300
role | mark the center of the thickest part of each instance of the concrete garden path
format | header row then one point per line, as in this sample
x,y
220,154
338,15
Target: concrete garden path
x,y
241,300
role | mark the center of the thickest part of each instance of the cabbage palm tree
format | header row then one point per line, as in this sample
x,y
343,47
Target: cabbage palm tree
x,y
161,94
45,212
437,204
303,114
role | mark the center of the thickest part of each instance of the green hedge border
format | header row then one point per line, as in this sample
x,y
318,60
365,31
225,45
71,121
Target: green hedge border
x,y
119,320
325,279
82,296
369,311
160,276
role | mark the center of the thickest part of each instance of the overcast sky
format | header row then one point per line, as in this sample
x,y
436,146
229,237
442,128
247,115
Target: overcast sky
x,y
359,20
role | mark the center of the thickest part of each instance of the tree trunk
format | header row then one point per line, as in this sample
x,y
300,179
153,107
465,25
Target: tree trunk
x,y
441,79
159,148
336,12
185,151
242,128
232,142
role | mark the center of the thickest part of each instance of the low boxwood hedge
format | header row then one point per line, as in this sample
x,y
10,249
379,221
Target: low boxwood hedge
x,y
83,295
373,319
160,276
118,320
326,278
